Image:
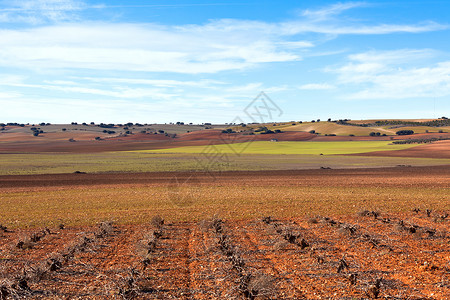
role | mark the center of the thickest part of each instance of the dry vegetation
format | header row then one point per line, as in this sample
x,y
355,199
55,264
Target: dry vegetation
x,y
316,234
369,255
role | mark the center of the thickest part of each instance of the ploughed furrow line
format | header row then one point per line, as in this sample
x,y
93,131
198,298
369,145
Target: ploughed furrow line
x,y
313,261
423,265
390,265
211,274
25,248
30,280
263,256
7,236
429,218
70,272
250,280
166,267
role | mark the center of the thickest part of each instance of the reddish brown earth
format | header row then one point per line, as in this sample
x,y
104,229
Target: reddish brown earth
x,y
294,258
140,142
397,177
382,138
439,149
274,259
85,143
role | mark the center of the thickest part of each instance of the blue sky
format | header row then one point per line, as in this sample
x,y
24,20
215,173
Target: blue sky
x,y
205,61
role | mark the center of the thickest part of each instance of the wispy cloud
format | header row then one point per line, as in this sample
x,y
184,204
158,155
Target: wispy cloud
x,y
41,11
132,47
216,46
9,95
316,86
128,66
204,83
389,75
335,9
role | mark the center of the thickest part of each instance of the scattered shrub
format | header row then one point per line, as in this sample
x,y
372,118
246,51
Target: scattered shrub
x,y
404,132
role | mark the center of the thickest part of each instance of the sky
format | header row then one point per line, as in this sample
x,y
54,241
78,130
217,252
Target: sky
x,y
199,61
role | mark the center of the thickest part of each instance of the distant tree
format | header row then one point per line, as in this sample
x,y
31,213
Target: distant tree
x,y
64,129
312,131
404,132
278,131
372,133
329,119
36,133
267,132
313,121
228,130
318,120
261,129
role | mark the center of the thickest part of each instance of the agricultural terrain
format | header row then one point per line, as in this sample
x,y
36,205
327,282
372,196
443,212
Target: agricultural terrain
x,y
340,234
251,211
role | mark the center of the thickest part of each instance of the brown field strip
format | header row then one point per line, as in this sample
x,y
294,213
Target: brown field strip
x,y
296,258
84,199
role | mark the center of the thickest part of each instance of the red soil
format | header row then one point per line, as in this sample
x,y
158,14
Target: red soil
x,y
142,142
439,149
85,143
188,261
437,176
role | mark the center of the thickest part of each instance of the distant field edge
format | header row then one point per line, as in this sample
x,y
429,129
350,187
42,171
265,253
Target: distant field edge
x,y
157,178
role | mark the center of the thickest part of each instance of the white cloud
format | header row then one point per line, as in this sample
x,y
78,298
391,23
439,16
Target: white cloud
x,y
9,95
130,47
116,92
41,11
154,82
334,9
389,75
219,45
293,28
316,86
